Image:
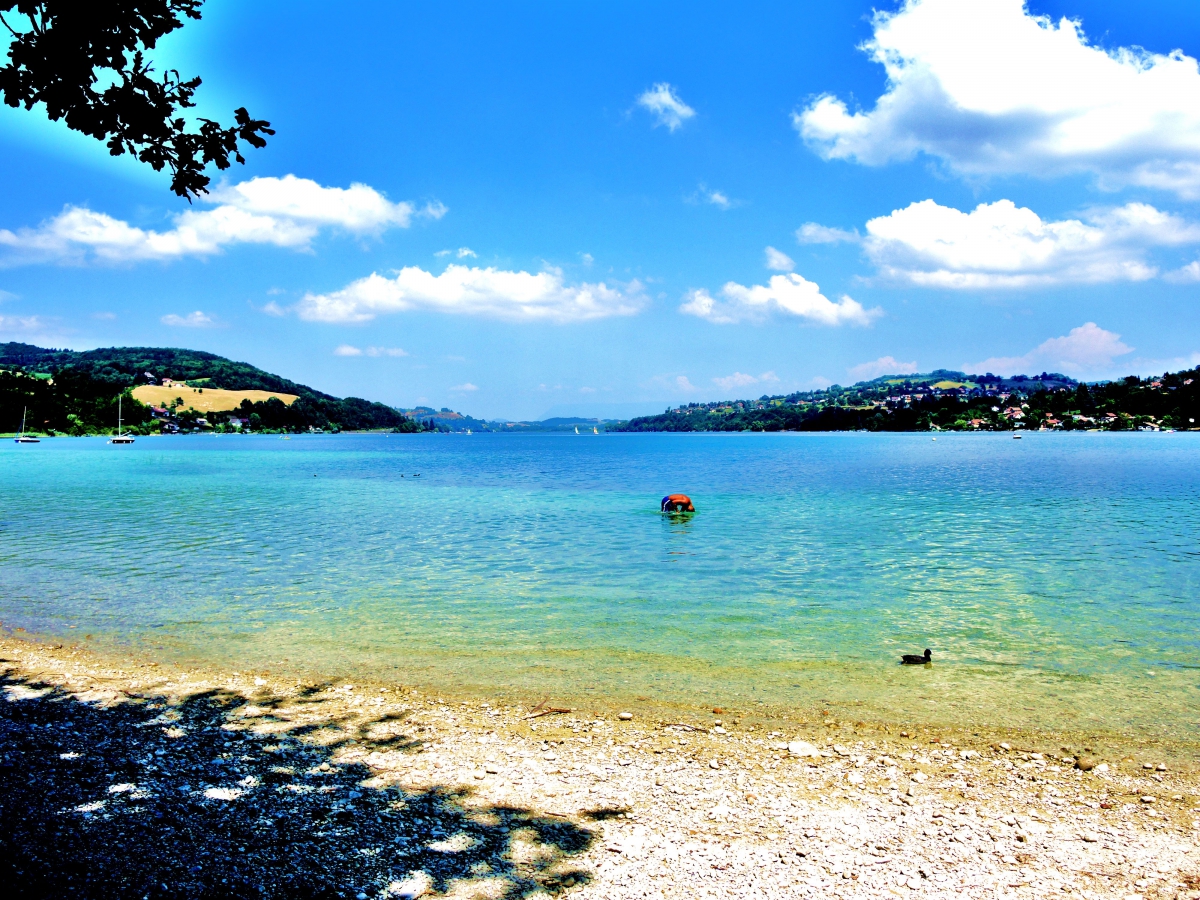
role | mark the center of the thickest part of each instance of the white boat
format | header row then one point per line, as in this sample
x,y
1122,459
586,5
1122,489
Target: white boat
x,y
1016,437
595,430
120,438
577,429
20,438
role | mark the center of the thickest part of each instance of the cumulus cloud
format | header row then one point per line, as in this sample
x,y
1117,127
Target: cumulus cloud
x,y
778,261
992,89
741,379
466,386
464,252
347,350
195,319
1002,245
1084,351
1188,274
283,212
491,293
812,233
789,294
885,365
666,106
683,384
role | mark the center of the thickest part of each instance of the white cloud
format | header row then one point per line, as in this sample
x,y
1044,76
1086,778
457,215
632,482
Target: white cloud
x,y
741,379
386,351
778,261
23,325
491,293
1002,245
104,316
1188,274
271,308
586,258
464,252
812,233
440,253
991,89
790,294
885,365
466,386
716,198
666,106
587,390
284,212
820,382
1085,351
195,319
347,350
683,384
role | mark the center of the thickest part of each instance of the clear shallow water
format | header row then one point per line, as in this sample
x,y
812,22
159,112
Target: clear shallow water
x,y
1055,578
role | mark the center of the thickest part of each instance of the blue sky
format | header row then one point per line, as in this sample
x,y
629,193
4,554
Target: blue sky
x,y
567,208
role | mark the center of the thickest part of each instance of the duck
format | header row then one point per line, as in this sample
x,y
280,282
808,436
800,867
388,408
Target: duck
x,y
911,659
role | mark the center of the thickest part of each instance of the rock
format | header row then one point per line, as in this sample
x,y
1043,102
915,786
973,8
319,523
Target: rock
x,y
1005,747
803,748
411,888
920,777
1102,768
1089,837
1147,799
840,750
1085,763
625,716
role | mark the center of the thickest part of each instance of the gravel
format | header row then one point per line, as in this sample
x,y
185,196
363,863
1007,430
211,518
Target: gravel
x,y
121,778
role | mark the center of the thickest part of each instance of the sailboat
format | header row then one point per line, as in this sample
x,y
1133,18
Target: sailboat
x,y
120,438
21,439
594,430
577,429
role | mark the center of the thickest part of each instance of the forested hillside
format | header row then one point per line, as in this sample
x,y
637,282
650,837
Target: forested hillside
x,y
953,401
75,392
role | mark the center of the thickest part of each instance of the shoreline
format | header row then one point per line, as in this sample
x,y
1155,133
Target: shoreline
x,y
466,796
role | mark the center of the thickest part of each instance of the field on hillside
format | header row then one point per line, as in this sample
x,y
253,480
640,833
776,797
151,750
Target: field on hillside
x,y
203,399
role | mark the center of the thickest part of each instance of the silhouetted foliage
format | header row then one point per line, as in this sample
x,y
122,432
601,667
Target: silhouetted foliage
x,y
86,63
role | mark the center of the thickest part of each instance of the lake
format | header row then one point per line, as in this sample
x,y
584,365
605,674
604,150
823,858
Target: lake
x,y
1054,578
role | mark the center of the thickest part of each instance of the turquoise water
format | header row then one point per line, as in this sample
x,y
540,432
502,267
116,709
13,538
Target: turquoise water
x,y
1055,578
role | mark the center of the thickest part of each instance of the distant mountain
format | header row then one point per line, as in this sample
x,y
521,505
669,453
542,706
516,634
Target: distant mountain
x,y
949,400
75,392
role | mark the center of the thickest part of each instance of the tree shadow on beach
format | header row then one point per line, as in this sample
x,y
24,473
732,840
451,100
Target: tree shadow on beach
x,y
145,798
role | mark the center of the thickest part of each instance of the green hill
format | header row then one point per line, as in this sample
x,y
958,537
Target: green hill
x,y
950,400
75,392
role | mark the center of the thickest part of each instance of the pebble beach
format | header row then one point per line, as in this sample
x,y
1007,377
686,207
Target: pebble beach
x,y
128,777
